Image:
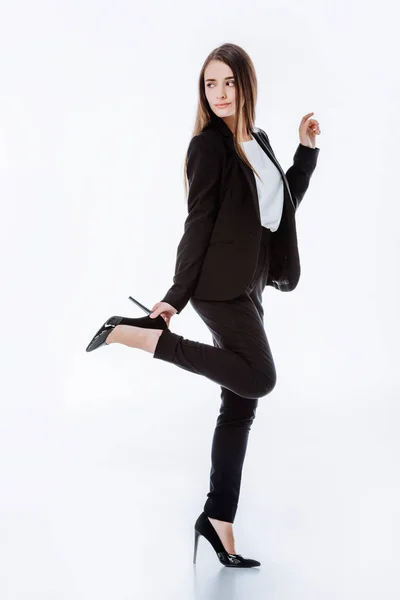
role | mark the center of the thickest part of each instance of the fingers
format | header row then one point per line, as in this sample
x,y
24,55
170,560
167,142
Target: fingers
x,y
160,309
314,126
304,119
313,123
155,312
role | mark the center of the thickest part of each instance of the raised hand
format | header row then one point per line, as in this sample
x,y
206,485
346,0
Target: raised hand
x,y
308,130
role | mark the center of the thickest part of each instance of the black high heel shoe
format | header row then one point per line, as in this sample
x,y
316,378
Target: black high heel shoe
x,y
205,528
101,336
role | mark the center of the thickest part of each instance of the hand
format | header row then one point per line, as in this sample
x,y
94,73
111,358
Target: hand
x,y
165,310
308,129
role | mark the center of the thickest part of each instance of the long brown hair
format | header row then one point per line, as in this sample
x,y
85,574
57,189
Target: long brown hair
x,y
246,88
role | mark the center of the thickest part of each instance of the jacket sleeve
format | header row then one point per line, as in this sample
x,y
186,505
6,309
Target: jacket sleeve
x,y
203,172
299,174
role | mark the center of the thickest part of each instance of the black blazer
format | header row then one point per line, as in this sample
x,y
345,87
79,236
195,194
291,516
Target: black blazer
x,y
218,252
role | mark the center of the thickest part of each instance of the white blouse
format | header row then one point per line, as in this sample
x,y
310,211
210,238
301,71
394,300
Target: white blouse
x,y
270,189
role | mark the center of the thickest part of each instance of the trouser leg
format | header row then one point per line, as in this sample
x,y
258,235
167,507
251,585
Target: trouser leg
x,y
229,444
247,369
233,426
228,452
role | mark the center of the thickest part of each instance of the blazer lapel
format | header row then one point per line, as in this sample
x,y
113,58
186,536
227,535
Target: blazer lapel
x,y
219,124
264,143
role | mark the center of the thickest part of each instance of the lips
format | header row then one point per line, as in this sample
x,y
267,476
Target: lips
x,y
222,105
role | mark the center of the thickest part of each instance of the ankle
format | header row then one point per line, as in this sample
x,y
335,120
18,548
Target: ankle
x,y
225,533
221,524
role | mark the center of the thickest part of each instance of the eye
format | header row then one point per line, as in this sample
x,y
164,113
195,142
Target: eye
x,y
209,84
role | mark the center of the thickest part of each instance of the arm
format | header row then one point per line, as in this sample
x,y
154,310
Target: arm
x,y
299,174
203,171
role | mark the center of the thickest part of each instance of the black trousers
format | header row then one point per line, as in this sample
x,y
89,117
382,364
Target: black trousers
x,y
240,361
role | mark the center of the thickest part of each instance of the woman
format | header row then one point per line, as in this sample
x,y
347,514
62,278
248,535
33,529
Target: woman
x,y
239,237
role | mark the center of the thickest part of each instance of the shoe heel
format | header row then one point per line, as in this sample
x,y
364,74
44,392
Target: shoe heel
x,y
146,310
196,543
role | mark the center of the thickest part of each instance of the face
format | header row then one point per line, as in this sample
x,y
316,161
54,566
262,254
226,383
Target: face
x,y
219,86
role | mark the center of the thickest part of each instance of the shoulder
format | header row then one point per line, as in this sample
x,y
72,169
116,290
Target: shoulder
x,y
260,132
207,142
207,137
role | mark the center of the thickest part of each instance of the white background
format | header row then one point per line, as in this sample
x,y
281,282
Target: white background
x,y
104,457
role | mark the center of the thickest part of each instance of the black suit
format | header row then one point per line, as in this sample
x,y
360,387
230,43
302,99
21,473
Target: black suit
x,y
224,261
218,251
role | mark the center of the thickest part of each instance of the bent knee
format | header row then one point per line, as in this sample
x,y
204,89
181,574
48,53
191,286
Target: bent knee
x,y
265,384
